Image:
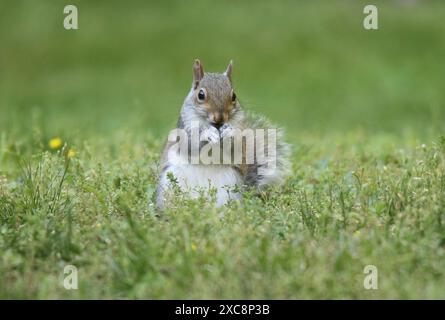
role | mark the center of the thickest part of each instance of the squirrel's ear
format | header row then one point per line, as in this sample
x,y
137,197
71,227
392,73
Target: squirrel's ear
x,y
228,72
198,73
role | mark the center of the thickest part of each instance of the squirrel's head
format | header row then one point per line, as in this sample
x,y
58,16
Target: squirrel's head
x,y
212,95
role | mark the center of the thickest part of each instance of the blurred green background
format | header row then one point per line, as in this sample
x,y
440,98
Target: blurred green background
x,y
363,112
310,66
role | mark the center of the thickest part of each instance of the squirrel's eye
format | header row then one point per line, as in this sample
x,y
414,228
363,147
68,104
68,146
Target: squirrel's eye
x,y
233,96
201,95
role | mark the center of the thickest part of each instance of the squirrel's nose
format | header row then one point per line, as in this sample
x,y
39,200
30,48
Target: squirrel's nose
x,y
217,125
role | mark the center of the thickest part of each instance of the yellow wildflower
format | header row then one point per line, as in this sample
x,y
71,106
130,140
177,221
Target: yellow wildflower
x,y
71,153
194,247
55,143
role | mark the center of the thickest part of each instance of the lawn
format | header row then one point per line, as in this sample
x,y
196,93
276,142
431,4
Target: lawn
x,y
363,110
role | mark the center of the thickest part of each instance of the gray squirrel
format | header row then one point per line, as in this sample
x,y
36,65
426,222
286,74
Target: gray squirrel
x,y
212,112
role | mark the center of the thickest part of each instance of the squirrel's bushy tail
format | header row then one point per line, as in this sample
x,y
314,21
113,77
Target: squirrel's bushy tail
x,y
266,173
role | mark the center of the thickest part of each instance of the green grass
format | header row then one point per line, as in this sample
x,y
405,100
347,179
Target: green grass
x,y
363,110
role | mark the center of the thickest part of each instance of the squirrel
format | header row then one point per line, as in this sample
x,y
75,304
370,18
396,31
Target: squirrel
x,y
212,110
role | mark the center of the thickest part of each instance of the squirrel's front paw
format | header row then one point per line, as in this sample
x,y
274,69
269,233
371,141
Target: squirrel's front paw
x,y
211,134
226,131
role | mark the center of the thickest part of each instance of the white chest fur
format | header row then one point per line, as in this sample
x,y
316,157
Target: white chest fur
x,y
195,179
